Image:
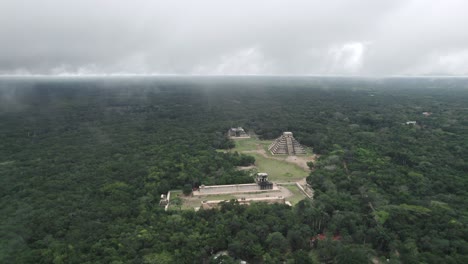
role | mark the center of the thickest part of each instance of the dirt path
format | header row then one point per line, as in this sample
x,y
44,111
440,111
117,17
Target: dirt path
x,y
246,167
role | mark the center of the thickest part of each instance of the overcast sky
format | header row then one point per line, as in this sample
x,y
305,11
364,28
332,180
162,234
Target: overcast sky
x,y
348,37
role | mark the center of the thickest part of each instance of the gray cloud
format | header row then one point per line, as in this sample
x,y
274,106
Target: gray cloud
x,y
86,37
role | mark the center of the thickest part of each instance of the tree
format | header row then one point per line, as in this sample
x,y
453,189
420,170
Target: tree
x,y
158,258
276,241
187,189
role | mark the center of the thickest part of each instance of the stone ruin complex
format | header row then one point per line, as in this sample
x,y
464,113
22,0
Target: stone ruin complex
x,y
238,132
261,184
286,144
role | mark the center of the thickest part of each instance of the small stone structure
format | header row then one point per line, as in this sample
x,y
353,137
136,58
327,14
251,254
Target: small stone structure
x,y
262,180
238,132
163,201
286,144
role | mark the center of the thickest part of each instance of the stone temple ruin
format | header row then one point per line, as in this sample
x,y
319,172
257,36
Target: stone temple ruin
x,y
262,180
261,184
163,201
286,144
238,132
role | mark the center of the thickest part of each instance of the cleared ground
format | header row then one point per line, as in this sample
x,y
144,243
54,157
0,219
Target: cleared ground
x,y
296,194
280,168
180,202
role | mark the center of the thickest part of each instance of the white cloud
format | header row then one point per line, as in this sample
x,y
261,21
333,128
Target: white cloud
x,y
89,37
449,63
69,70
249,61
347,58
136,62
454,63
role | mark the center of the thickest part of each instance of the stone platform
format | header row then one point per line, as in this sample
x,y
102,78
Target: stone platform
x,y
231,189
247,201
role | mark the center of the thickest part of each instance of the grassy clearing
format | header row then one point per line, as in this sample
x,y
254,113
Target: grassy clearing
x,y
246,144
176,201
297,194
190,204
277,168
175,193
180,201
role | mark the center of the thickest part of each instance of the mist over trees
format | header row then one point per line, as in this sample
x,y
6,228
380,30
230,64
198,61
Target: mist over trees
x,y
83,163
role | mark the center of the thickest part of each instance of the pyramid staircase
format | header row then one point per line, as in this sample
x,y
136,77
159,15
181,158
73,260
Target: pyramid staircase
x,y
286,144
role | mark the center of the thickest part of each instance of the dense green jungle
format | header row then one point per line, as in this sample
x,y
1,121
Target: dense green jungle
x,y
83,162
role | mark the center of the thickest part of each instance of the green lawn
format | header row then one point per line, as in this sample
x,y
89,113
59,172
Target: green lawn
x,y
278,170
189,203
218,197
297,194
248,144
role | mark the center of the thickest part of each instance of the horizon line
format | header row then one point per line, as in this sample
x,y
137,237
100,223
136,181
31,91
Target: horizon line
x,y
223,75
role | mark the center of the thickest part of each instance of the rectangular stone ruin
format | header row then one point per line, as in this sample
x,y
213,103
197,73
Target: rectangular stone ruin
x,y
237,132
234,188
247,201
261,184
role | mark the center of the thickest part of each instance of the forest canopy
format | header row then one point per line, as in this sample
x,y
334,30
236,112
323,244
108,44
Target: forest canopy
x,y
83,163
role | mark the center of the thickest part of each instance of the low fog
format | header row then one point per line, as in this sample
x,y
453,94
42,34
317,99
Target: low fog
x,y
355,38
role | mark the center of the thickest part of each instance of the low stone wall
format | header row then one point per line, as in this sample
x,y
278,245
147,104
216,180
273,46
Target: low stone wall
x,y
168,201
247,201
231,189
239,137
303,191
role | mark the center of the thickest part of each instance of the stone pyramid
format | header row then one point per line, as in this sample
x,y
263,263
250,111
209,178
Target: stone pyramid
x,y
286,144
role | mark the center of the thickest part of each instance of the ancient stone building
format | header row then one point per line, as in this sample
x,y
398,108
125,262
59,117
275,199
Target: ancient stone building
x,y
262,180
163,201
286,144
261,185
238,132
